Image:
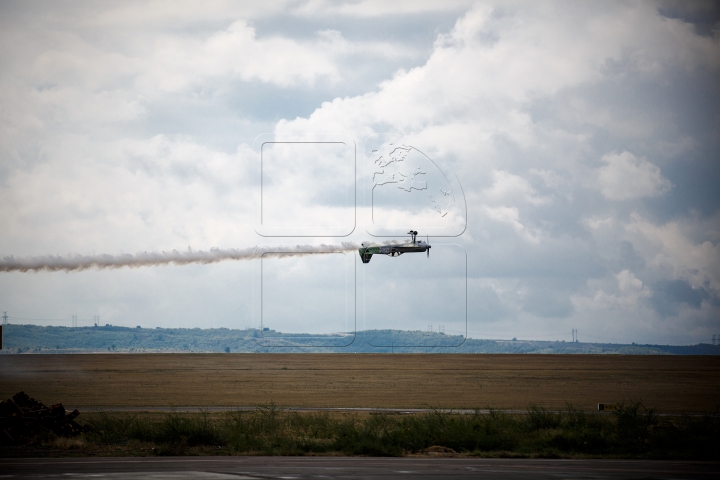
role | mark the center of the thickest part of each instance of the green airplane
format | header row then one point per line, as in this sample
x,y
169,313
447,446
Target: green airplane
x,y
394,250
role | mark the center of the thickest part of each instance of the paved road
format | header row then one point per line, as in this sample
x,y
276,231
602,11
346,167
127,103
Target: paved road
x,y
234,468
186,409
392,411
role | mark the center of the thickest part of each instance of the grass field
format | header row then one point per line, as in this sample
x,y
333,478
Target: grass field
x,y
672,384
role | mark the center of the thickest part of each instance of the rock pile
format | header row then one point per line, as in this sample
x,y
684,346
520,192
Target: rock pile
x,y
22,418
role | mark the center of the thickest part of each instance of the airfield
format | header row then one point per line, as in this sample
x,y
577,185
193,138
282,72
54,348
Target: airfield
x,y
235,468
672,384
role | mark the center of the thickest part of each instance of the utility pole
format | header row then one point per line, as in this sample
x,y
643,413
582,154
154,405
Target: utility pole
x,y
74,320
4,317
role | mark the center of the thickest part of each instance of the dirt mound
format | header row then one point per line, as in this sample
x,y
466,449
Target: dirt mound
x,y
439,450
22,419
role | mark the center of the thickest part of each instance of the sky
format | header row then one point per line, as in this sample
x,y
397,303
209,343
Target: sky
x,y
562,159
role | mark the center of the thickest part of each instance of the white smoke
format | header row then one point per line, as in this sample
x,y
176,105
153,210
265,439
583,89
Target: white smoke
x,y
83,262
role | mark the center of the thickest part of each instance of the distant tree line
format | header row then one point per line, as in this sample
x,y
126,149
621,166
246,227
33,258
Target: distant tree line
x,y
41,339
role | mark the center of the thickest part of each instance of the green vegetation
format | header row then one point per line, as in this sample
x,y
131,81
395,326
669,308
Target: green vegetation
x,y
632,432
37,339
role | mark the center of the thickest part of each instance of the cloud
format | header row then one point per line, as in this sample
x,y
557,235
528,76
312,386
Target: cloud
x,y
671,249
127,195
580,136
626,177
377,8
545,298
237,52
513,188
628,290
669,294
521,101
511,216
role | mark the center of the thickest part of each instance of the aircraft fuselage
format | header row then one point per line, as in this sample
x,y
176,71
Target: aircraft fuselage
x,y
393,250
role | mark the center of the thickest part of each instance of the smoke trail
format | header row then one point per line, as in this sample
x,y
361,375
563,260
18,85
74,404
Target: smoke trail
x,y
83,262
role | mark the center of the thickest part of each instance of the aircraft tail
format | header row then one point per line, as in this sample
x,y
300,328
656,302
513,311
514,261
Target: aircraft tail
x,y
364,256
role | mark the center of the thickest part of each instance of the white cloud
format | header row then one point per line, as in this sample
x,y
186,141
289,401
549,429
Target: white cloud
x,y
670,248
236,52
628,284
377,8
627,177
629,291
511,216
513,188
128,195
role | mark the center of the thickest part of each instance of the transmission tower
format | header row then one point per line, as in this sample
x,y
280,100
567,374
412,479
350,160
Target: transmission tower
x,y
5,317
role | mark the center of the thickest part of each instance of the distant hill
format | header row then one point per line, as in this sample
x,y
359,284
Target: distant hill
x,y
38,339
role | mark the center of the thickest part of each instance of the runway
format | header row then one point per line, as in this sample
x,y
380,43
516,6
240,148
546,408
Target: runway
x,y
236,468
253,408
389,411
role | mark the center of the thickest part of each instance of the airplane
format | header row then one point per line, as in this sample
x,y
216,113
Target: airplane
x,y
369,249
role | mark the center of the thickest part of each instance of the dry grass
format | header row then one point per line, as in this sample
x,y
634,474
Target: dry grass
x,y
669,383
632,431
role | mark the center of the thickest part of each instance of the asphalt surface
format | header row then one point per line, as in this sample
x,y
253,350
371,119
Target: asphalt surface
x,y
222,468
391,411
189,409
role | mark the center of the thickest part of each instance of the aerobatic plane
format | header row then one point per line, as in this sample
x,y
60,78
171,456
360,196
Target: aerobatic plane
x,y
394,250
